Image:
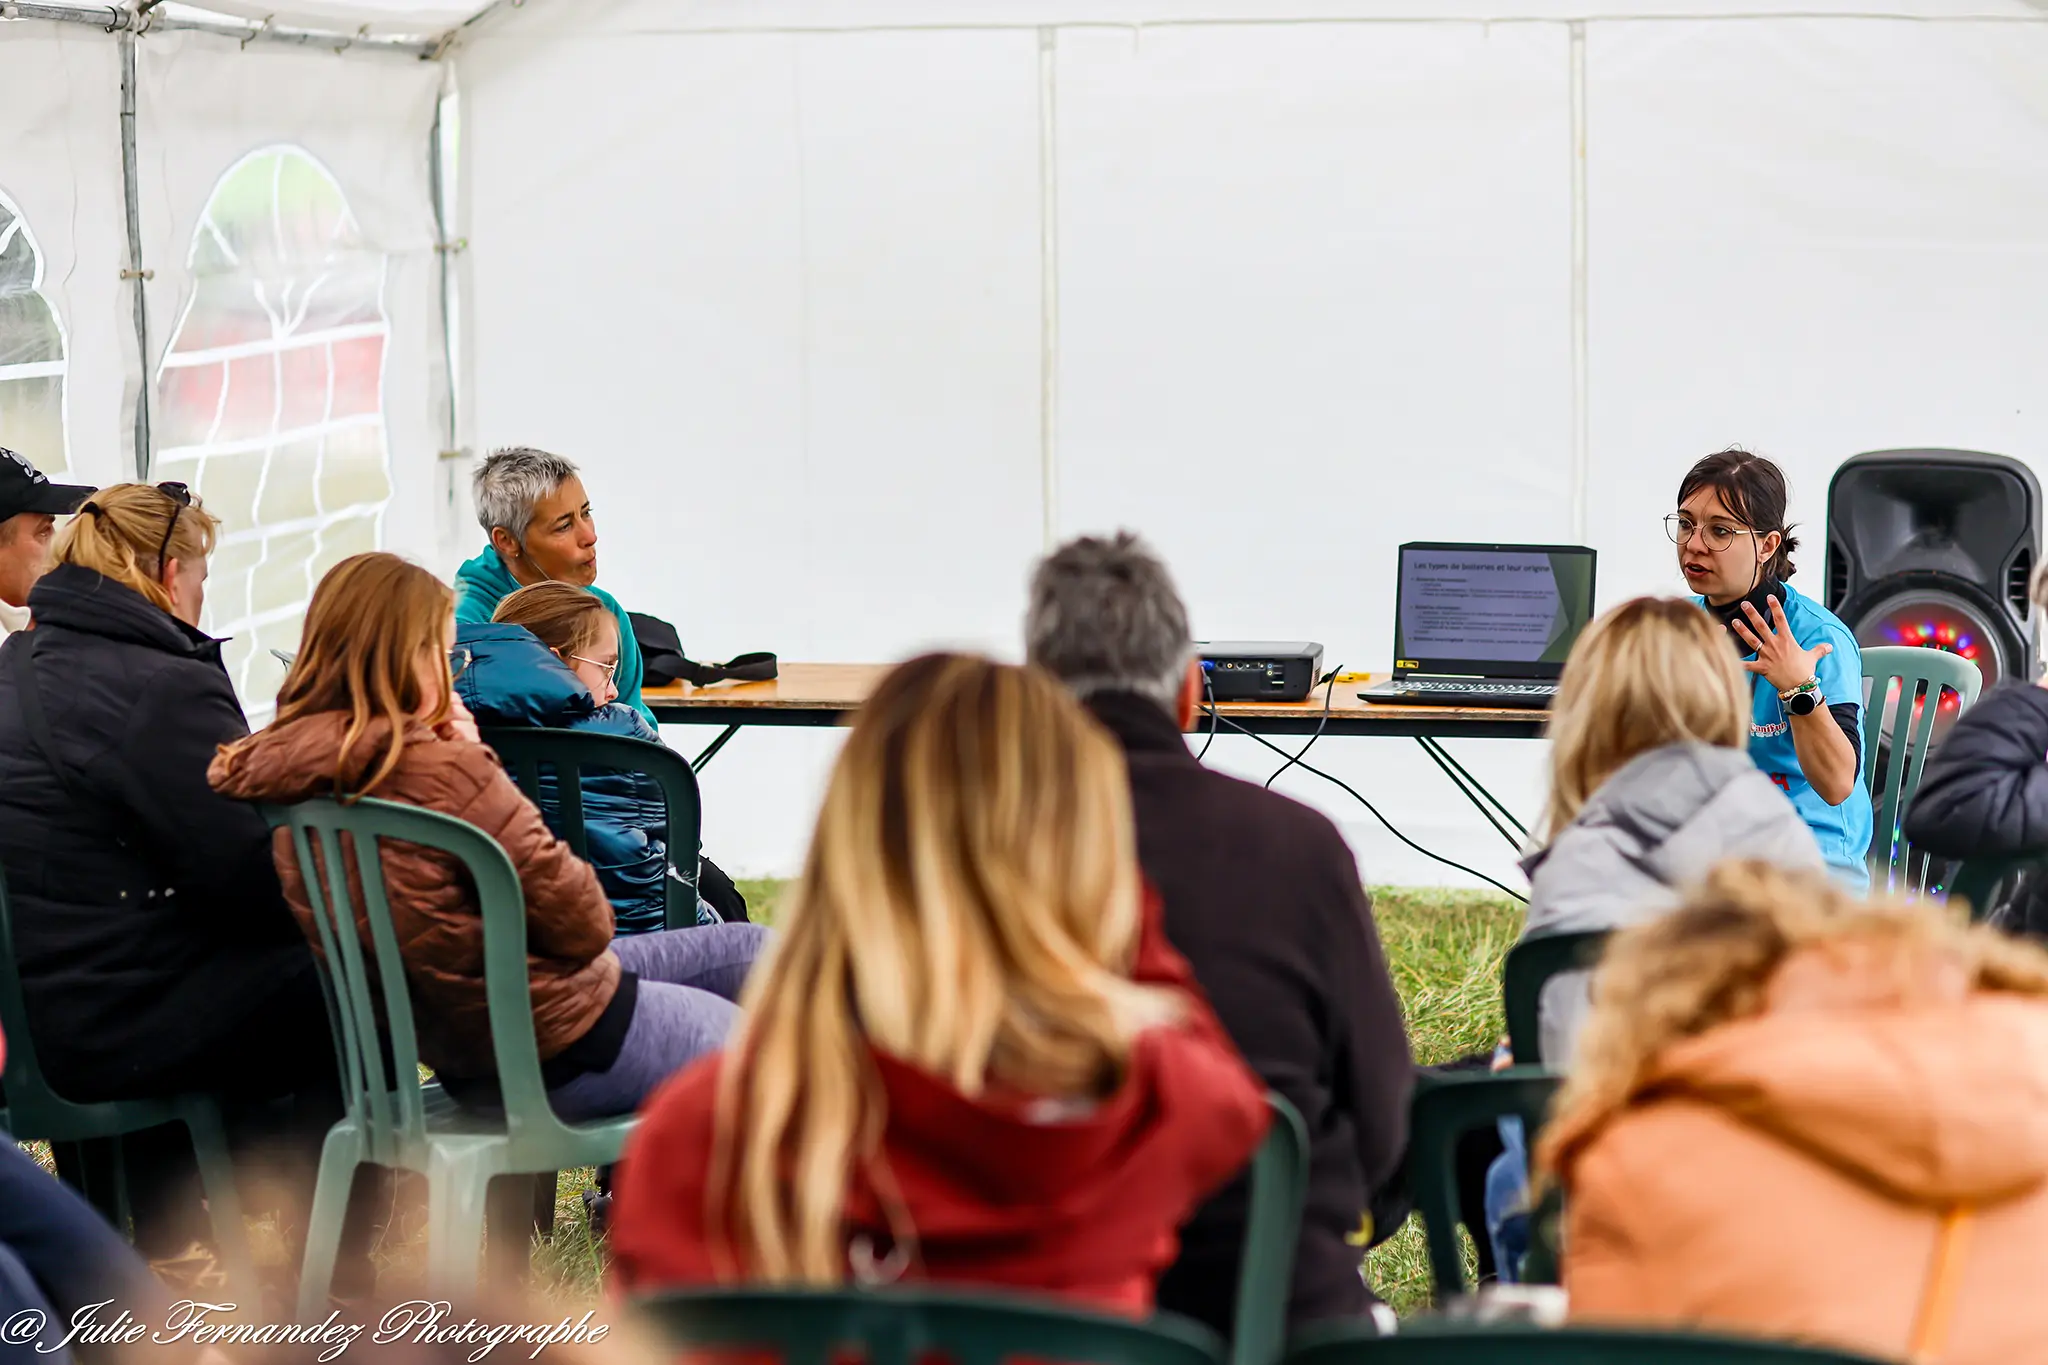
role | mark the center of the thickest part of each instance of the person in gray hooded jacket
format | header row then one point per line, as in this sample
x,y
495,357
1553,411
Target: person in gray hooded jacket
x,y
1656,826
1651,786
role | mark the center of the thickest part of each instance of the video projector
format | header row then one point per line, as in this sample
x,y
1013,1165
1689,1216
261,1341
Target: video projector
x,y
1260,670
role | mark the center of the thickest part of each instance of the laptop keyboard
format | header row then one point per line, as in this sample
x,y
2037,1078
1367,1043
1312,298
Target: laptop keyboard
x,y
1460,687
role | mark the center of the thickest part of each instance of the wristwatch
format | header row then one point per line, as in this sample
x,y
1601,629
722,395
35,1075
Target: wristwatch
x,y
1804,699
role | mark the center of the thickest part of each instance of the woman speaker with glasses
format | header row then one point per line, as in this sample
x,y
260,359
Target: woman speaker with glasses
x,y
156,951
549,659
1806,672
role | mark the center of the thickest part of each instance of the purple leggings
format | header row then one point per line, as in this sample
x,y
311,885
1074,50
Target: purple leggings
x,y
688,981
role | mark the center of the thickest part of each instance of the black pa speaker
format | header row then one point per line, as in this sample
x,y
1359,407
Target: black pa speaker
x,y
1937,548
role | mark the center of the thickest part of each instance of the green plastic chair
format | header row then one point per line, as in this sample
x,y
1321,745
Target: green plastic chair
x,y
1265,1279
31,1110
1422,1342
569,752
1445,1107
1921,675
912,1324
1530,965
1979,882
393,1120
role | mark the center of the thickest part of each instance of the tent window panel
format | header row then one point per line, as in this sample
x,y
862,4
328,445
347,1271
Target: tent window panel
x,y
271,400
33,361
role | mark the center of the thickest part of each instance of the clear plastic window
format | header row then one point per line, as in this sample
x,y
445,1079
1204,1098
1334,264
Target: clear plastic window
x,y
270,401
32,351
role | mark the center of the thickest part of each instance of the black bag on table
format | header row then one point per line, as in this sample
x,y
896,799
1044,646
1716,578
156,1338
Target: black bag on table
x,y
663,661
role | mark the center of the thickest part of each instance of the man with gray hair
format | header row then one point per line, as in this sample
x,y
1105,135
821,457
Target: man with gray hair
x,y
533,507
1263,897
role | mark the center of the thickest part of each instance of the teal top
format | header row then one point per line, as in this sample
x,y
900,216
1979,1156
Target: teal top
x,y
483,582
1844,831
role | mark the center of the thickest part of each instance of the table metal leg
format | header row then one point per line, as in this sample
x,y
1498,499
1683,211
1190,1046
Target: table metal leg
x,y
1475,791
711,750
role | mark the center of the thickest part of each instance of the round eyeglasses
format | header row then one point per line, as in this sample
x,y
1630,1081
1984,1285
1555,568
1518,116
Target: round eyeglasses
x,y
611,670
1716,536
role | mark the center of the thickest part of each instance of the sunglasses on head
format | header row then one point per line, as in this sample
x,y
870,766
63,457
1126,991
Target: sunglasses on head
x,y
181,498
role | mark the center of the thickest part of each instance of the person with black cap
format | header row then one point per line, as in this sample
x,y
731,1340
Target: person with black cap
x,y
29,507
156,952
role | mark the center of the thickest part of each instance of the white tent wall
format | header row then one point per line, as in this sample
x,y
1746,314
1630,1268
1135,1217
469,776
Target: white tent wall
x,y
798,281
60,164
781,296
1814,238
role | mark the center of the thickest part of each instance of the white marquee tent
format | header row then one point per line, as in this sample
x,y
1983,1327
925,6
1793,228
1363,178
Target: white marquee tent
x,y
849,307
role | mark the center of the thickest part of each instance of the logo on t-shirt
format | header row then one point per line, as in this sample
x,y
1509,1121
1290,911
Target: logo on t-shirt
x,y
1769,731
1783,782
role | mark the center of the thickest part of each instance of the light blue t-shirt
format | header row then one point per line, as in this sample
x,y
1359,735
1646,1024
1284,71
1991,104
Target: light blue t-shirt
x,y
1843,832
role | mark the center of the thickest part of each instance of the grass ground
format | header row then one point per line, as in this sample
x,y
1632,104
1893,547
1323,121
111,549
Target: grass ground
x,y
1444,949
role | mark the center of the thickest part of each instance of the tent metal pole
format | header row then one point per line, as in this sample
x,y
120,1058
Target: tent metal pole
x,y
135,274
1049,286
120,19
1582,451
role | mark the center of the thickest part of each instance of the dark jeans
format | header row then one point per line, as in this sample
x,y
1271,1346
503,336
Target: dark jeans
x,y
58,1255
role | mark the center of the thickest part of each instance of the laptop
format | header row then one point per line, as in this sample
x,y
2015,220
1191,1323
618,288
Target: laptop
x,y
1485,625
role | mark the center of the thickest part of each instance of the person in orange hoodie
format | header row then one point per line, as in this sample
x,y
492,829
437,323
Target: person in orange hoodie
x,y
1795,1114
972,1055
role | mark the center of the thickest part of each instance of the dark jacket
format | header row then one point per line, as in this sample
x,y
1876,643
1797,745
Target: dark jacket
x,y
515,680
148,922
1985,791
1985,795
1263,897
573,973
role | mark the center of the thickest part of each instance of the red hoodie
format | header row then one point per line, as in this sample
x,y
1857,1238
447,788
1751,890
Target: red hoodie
x,y
1085,1207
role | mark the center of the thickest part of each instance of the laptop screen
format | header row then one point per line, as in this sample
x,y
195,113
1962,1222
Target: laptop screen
x,y
1495,611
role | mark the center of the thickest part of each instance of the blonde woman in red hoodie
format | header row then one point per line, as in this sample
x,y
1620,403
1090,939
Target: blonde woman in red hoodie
x,y
972,1055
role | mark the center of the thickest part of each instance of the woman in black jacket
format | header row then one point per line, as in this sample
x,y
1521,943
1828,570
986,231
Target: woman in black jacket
x,y
1985,792
156,951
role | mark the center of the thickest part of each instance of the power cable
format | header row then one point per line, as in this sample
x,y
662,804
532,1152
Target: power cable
x,y
1295,760
1329,689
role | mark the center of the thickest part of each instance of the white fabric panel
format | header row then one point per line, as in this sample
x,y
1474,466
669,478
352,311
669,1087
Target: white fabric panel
x,y
60,163
1295,332
205,103
780,297
1813,238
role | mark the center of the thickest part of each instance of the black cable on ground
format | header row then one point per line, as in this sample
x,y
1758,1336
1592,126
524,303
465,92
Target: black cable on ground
x,y
1329,690
1353,793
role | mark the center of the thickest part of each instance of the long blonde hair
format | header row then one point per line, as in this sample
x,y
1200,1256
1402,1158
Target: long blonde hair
x,y
969,905
371,620
120,529
1650,672
1710,962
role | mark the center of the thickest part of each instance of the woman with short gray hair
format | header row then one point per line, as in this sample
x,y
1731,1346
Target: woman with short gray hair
x,y
533,507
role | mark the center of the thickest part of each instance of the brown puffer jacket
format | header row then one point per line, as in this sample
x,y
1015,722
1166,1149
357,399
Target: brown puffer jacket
x,y
433,907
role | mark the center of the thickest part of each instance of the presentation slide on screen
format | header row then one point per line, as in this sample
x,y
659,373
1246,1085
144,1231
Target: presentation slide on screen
x,y
1480,605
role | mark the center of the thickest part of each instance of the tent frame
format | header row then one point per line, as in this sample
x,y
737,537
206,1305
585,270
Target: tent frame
x,y
139,18
131,21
